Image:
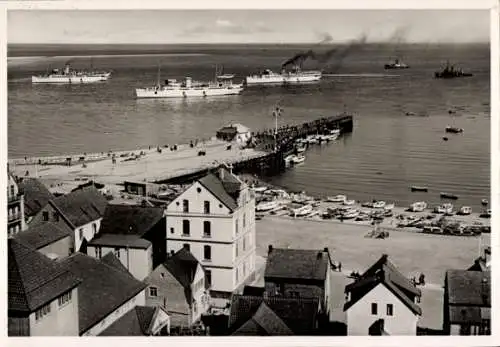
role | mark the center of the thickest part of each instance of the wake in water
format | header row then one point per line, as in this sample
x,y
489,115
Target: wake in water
x,y
360,75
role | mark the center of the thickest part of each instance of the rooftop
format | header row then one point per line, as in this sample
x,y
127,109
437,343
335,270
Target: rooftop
x,y
43,234
104,288
34,280
469,287
383,271
81,206
136,322
264,322
123,241
129,219
182,265
36,195
297,263
225,187
298,314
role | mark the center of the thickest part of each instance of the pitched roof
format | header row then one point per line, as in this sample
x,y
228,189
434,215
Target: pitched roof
x,y
81,206
384,272
112,240
129,219
43,234
215,186
297,264
34,279
298,314
182,265
104,288
264,322
136,322
36,195
469,287
111,260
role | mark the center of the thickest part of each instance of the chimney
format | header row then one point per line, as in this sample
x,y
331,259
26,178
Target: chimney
x,y
269,248
320,255
325,249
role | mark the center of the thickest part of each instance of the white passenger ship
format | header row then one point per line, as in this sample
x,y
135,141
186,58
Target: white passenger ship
x,y
294,76
69,76
172,88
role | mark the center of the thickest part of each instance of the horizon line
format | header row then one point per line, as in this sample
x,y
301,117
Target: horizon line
x,y
247,43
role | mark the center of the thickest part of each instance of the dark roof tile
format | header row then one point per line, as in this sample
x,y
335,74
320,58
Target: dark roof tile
x,y
297,264
182,265
33,279
43,234
112,240
129,219
135,322
215,186
469,287
104,288
81,206
36,195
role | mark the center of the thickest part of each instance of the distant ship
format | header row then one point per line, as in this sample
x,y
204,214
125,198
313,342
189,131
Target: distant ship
x,y
451,72
70,76
396,65
222,85
293,76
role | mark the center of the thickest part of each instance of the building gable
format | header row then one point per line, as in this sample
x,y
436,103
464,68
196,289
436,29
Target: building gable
x,y
197,194
170,292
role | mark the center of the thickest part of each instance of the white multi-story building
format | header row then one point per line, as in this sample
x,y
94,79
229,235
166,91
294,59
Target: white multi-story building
x,y
15,207
215,220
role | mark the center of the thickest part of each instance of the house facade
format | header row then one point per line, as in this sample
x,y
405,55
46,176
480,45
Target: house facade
x,y
215,220
80,210
382,299
15,207
179,285
42,295
467,303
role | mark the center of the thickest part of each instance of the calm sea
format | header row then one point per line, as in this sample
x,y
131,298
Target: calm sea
x,y
386,153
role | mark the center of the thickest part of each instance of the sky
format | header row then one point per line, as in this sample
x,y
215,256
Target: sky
x,y
246,26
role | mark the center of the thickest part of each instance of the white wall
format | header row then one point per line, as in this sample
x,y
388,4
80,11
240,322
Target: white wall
x,y
198,290
196,202
359,317
138,261
61,321
138,300
87,233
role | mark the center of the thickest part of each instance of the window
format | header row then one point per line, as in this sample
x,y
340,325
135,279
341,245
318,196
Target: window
x,y
117,252
390,309
81,233
236,226
64,299
45,310
244,220
171,230
55,215
237,276
98,252
153,292
94,229
374,308
244,243
207,229
208,274
187,247
206,207
185,227
185,205
45,216
237,249
207,253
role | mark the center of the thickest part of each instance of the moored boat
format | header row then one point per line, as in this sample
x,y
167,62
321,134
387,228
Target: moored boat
x,y
454,130
70,76
444,195
465,210
419,189
300,211
267,206
396,65
297,159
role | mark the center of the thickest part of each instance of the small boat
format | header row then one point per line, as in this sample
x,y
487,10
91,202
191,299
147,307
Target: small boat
x,y
453,130
368,204
465,210
259,189
350,214
450,71
446,208
389,207
267,206
297,159
301,211
418,206
337,198
484,202
300,149
349,202
419,189
485,214
448,196
445,138
396,64
378,204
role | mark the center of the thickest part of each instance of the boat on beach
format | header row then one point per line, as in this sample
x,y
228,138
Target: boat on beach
x,y
378,204
445,208
349,214
349,202
267,206
418,206
300,211
337,198
465,210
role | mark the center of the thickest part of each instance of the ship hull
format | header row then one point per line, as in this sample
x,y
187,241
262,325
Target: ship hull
x,y
283,79
186,92
68,79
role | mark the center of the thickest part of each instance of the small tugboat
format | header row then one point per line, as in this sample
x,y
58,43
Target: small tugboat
x,y
450,71
448,196
454,130
419,189
396,65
